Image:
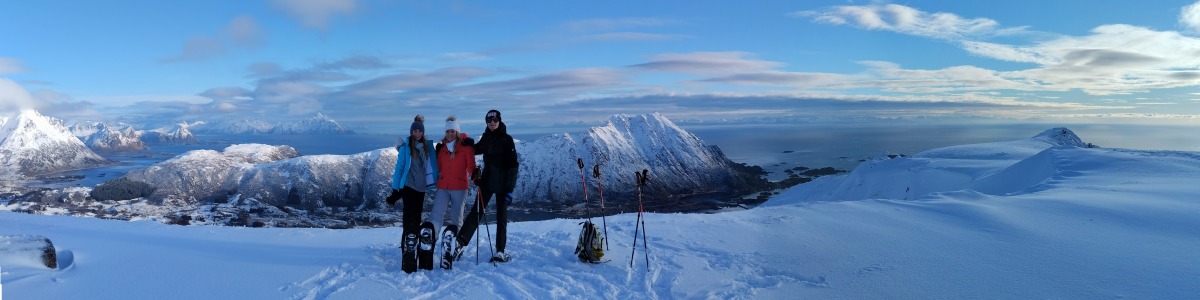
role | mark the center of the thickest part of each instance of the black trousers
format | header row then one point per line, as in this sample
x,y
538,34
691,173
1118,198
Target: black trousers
x,y
471,222
412,202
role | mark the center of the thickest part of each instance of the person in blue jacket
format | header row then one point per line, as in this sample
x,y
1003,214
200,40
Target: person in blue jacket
x,y
416,173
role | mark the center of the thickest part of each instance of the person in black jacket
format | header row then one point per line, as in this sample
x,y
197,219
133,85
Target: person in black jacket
x,y
498,178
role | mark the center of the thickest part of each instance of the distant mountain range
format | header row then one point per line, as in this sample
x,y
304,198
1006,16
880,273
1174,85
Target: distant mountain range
x,y
318,124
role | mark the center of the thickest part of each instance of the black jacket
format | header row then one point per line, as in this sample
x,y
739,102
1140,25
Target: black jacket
x,y
499,160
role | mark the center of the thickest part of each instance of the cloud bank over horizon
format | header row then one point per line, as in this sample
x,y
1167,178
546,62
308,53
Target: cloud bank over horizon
x,y
551,75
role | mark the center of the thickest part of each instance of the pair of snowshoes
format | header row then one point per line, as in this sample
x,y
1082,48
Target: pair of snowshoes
x,y
416,249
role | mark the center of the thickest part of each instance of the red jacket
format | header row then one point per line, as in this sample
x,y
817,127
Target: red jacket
x,y
455,168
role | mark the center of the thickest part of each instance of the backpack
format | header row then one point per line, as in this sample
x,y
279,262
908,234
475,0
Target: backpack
x,y
590,247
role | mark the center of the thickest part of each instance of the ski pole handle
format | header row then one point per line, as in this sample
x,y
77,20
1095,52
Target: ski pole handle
x,y
580,161
596,171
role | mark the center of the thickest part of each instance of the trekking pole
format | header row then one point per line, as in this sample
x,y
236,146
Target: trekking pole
x,y
483,215
637,222
603,213
583,180
640,222
478,220
645,244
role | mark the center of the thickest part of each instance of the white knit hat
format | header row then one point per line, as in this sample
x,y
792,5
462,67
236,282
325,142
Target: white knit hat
x,y
452,123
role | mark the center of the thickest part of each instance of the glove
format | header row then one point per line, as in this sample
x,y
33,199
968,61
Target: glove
x,y
395,196
475,175
468,142
508,199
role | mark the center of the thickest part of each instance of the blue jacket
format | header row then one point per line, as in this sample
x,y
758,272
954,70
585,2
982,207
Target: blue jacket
x,y
404,159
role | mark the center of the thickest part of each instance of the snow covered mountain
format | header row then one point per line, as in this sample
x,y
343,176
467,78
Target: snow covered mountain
x,y
105,137
179,134
32,144
679,163
236,127
318,124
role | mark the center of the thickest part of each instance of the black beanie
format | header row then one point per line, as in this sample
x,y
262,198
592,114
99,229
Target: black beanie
x,y
498,118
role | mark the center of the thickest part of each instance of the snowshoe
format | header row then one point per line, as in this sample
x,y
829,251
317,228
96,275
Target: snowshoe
x,y
450,247
408,253
459,248
500,257
425,248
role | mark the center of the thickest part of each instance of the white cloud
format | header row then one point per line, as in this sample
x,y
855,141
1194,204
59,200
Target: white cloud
x,y
629,36
10,66
316,13
226,94
225,107
907,20
464,56
602,24
708,63
197,49
1189,17
14,97
1112,59
287,91
244,31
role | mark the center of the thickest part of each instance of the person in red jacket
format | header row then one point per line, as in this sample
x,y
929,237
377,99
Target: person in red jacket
x,y
456,162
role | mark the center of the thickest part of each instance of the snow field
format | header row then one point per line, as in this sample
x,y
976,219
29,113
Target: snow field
x,y
1019,220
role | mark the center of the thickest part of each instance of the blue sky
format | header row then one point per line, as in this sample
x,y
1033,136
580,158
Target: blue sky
x,y
374,64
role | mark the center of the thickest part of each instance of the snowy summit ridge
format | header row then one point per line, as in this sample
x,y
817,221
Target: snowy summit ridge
x,y
32,144
679,162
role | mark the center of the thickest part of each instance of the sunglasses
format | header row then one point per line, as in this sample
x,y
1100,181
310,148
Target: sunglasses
x,y
492,120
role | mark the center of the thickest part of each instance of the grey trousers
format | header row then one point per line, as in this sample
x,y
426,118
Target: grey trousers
x,y
452,199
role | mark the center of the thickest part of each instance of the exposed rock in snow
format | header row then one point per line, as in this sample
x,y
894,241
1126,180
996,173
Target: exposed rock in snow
x,y
19,249
32,144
